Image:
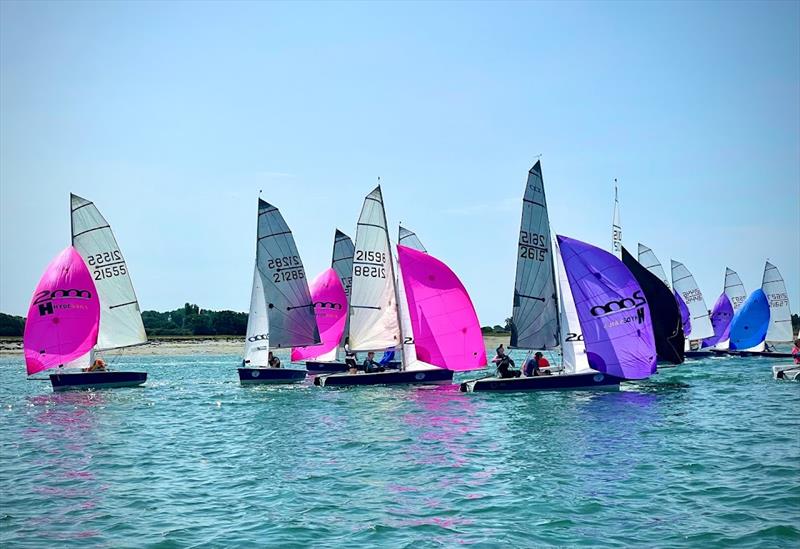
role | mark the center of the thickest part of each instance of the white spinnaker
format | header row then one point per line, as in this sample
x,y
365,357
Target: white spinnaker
x,y
684,284
616,228
734,289
374,323
256,343
120,318
780,316
652,264
573,350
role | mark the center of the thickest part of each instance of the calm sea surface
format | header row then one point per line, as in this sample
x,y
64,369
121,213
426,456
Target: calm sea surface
x,y
705,455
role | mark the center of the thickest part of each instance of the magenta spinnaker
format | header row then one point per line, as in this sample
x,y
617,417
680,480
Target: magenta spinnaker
x,y
330,307
612,310
446,329
721,317
64,314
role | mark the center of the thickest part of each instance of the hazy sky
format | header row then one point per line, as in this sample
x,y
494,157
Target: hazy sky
x,y
172,116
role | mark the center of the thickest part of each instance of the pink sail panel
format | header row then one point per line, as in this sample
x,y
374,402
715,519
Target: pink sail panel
x,y
446,329
330,307
64,314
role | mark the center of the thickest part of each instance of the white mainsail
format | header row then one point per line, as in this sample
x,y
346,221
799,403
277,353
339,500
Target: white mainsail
x,y
734,289
684,284
256,345
120,318
650,262
780,316
616,228
410,239
374,316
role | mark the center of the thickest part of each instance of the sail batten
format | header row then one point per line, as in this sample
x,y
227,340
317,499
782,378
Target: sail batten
x,y
535,317
120,316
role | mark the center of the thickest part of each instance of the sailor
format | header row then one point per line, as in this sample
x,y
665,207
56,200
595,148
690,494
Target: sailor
x,y
273,361
504,363
796,351
99,365
350,357
370,366
536,366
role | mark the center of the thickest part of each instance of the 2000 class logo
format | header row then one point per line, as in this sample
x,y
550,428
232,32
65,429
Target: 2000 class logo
x,y
616,305
44,299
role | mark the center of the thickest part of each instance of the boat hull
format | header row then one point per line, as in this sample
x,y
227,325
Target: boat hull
x,y
758,354
434,376
566,382
96,380
270,376
315,367
789,373
698,354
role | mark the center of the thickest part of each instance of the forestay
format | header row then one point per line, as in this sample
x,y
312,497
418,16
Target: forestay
x,y
444,324
63,316
780,323
535,317
374,323
750,324
330,306
120,318
342,263
613,312
256,345
292,322
650,262
685,286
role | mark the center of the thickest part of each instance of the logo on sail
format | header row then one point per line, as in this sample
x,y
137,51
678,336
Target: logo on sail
x,y
258,337
44,299
617,305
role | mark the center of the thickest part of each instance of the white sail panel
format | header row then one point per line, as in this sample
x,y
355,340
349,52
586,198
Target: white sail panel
x,y
734,289
652,264
573,350
374,323
256,344
120,318
535,315
616,228
780,316
342,263
292,321
684,284
410,239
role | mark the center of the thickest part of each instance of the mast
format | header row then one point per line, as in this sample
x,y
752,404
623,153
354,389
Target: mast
x,y
616,227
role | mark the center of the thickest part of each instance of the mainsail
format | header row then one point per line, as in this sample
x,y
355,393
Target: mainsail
x,y
614,315
409,239
686,317
256,344
616,228
650,262
374,318
120,319
292,322
342,263
330,305
64,314
535,317
780,324
666,316
734,289
749,326
444,324
721,316
685,286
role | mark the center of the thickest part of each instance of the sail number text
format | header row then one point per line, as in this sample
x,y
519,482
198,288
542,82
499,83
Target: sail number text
x,y
107,265
532,246
369,263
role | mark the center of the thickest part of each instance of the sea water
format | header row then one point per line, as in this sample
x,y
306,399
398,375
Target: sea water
x,y
703,455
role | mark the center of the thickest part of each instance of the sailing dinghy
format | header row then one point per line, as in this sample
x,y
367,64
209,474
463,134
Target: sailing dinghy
x,y
95,249
696,322
281,310
577,298
436,324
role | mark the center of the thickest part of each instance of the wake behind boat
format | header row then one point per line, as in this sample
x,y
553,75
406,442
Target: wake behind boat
x,y
281,310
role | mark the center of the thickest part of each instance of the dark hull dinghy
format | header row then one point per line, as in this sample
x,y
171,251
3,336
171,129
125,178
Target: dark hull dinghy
x,y
270,376
698,354
96,380
318,367
589,381
758,354
434,376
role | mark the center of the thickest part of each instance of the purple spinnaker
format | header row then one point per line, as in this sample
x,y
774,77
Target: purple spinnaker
x,y
612,310
721,317
686,318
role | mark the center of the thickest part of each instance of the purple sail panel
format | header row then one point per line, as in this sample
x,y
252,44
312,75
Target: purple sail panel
x,y
686,318
721,317
612,310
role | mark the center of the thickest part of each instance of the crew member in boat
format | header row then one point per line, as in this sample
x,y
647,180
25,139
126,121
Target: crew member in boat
x,y
536,366
796,351
370,366
504,363
350,357
273,361
99,365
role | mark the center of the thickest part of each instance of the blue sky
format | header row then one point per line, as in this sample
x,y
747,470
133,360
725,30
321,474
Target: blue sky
x,y
172,116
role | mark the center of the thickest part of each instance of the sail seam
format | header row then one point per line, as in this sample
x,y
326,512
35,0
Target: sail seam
x,y
82,206
90,230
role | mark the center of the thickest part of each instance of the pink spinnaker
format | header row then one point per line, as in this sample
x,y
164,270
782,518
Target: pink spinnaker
x,y
64,314
446,329
330,307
